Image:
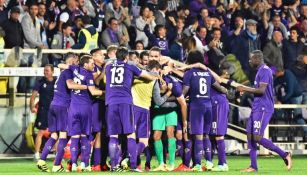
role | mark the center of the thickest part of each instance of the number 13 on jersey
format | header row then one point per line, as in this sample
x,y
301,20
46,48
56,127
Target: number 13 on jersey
x,y
117,75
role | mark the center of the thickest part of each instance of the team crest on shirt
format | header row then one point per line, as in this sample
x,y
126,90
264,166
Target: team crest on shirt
x,y
44,85
91,82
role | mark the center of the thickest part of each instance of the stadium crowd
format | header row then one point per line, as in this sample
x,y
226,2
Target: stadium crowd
x,y
225,32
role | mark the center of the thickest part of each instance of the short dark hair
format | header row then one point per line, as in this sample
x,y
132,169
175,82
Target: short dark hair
x,y
69,55
158,27
94,51
195,56
122,53
155,48
153,64
142,9
66,25
162,5
86,19
132,52
257,53
51,66
295,28
144,53
111,19
199,28
85,59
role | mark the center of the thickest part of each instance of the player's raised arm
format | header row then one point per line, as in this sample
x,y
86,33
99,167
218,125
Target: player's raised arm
x,y
148,76
72,85
63,66
219,88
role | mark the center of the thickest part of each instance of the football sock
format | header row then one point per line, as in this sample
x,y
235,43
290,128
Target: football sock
x,y
187,153
48,146
60,151
97,156
198,150
132,150
85,150
113,151
172,150
74,150
207,149
268,144
159,151
221,151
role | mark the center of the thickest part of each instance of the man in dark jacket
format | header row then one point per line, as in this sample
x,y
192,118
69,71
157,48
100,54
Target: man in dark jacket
x,y
292,48
13,30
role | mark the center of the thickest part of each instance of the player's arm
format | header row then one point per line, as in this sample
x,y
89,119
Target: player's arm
x,y
32,100
185,90
63,66
156,94
74,86
219,88
259,91
184,112
94,91
148,76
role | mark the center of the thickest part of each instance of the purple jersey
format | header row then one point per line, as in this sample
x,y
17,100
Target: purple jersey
x,y
215,95
264,102
61,91
84,77
120,77
177,86
200,82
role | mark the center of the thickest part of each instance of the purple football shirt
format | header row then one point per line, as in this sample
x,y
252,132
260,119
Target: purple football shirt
x,y
119,79
61,91
84,77
264,102
177,86
200,82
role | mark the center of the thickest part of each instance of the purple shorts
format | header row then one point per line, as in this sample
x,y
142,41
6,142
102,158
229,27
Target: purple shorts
x,y
57,118
120,119
220,109
96,119
200,119
257,122
79,119
142,122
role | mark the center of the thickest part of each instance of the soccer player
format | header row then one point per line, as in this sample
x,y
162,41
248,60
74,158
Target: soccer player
x,y
98,110
43,87
262,110
197,84
80,111
57,116
120,119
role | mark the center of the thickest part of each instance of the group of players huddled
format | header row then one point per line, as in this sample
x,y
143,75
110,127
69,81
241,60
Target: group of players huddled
x,y
123,105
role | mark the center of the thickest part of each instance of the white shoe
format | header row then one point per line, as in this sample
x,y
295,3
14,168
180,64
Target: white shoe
x,y
74,167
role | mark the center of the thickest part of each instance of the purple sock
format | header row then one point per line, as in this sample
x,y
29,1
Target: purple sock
x,y
113,151
180,148
221,151
252,145
198,151
48,146
268,144
140,148
132,153
148,155
74,150
60,151
207,149
85,150
97,156
187,153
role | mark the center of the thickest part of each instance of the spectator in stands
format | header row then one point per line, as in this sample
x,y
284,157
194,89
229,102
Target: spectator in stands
x,y
193,24
160,16
196,6
217,51
4,9
69,13
304,32
139,45
243,44
112,36
292,47
272,52
300,71
153,5
158,38
204,14
238,26
277,25
277,8
88,36
62,40
13,30
146,17
201,43
117,11
289,91
176,50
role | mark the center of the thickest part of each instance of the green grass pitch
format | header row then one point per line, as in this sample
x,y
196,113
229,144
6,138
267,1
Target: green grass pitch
x,y
267,165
